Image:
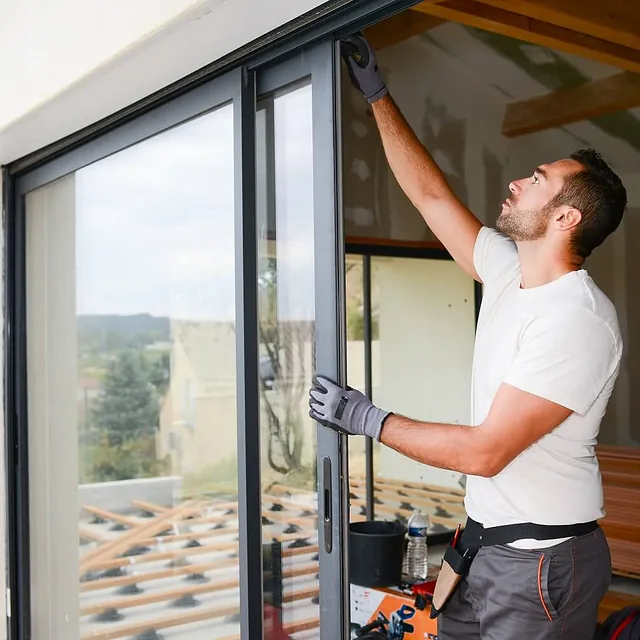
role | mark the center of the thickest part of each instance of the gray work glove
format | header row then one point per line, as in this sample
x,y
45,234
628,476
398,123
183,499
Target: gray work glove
x,y
345,410
363,67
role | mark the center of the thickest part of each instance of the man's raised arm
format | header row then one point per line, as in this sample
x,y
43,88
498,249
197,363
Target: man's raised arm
x,y
413,167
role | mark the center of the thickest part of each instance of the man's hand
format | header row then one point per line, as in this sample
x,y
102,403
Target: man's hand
x,y
363,67
345,410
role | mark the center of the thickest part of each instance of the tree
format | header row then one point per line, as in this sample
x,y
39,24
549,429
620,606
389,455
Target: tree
x,y
125,420
282,381
129,406
160,373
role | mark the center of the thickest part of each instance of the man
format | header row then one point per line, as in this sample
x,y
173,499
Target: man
x,y
547,355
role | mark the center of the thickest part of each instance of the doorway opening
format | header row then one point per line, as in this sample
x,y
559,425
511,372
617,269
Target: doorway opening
x,y
490,102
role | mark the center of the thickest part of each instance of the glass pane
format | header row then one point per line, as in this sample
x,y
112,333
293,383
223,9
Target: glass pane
x,y
286,332
132,392
421,369
356,378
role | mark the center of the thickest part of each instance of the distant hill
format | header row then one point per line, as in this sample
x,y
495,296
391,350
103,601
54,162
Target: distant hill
x,y
118,331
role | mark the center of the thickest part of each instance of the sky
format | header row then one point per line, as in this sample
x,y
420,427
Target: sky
x,y
155,222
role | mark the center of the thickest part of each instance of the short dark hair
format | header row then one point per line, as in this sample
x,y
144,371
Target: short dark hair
x,y
598,193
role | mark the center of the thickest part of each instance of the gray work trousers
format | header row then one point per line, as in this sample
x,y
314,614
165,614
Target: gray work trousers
x,y
542,594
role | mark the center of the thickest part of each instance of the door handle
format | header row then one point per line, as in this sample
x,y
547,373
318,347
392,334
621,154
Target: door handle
x,y
327,504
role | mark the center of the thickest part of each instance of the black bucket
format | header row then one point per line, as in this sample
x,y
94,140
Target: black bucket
x,y
376,549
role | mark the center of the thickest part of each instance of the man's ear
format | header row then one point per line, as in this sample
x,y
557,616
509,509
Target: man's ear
x,y
567,218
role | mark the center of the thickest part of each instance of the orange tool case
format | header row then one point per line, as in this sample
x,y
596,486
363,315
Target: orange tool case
x,y
403,610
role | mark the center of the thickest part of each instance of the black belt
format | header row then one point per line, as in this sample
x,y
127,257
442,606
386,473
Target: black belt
x,y
459,555
475,535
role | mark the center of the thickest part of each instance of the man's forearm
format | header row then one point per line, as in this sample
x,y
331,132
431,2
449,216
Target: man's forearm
x,y
447,446
414,168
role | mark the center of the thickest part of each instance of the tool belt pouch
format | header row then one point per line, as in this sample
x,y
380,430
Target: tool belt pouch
x,y
454,568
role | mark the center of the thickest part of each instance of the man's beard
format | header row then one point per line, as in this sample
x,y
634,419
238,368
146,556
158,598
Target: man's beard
x,y
523,226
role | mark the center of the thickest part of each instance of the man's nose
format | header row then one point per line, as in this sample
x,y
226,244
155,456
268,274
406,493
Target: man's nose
x,y
513,187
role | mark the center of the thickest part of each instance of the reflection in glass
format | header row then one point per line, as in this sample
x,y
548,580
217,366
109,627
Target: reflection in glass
x,y
286,333
132,392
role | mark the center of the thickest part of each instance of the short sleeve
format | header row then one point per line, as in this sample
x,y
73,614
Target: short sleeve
x,y
494,255
565,357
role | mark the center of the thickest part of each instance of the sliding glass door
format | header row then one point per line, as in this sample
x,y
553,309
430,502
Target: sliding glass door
x,y
174,287
298,335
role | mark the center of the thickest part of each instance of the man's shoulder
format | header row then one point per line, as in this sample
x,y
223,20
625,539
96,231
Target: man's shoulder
x,y
495,256
587,318
585,303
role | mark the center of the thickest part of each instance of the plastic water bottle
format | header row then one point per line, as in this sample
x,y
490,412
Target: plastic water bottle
x,y
416,560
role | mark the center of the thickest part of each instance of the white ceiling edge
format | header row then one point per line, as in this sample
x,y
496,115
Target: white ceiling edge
x,y
197,37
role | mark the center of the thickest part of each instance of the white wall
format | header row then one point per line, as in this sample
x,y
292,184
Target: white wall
x,y
73,62
63,41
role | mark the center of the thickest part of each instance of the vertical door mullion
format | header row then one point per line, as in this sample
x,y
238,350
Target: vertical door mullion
x,y
320,62
368,375
329,290
18,569
248,407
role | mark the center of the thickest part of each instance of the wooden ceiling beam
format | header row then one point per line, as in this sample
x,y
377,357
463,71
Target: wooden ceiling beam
x,y
400,27
615,21
513,25
590,100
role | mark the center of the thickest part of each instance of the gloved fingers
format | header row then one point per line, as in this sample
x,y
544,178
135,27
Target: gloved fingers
x,y
318,385
356,48
314,402
325,385
325,423
316,416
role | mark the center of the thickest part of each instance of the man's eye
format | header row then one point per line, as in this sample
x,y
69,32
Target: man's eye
x,y
535,179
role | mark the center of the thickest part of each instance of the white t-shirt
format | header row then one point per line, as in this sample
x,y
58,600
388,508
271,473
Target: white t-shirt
x,y
560,341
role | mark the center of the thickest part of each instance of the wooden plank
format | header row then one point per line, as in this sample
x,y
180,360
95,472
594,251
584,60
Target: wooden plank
x,y
283,502
614,601
426,493
620,469
611,20
417,500
113,563
590,100
109,515
161,574
507,23
394,511
183,618
87,534
149,506
399,27
127,602
121,581
129,539
222,518
292,627
190,535
387,242
434,490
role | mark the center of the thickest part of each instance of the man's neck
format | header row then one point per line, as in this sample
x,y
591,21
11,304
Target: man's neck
x,y
540,265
